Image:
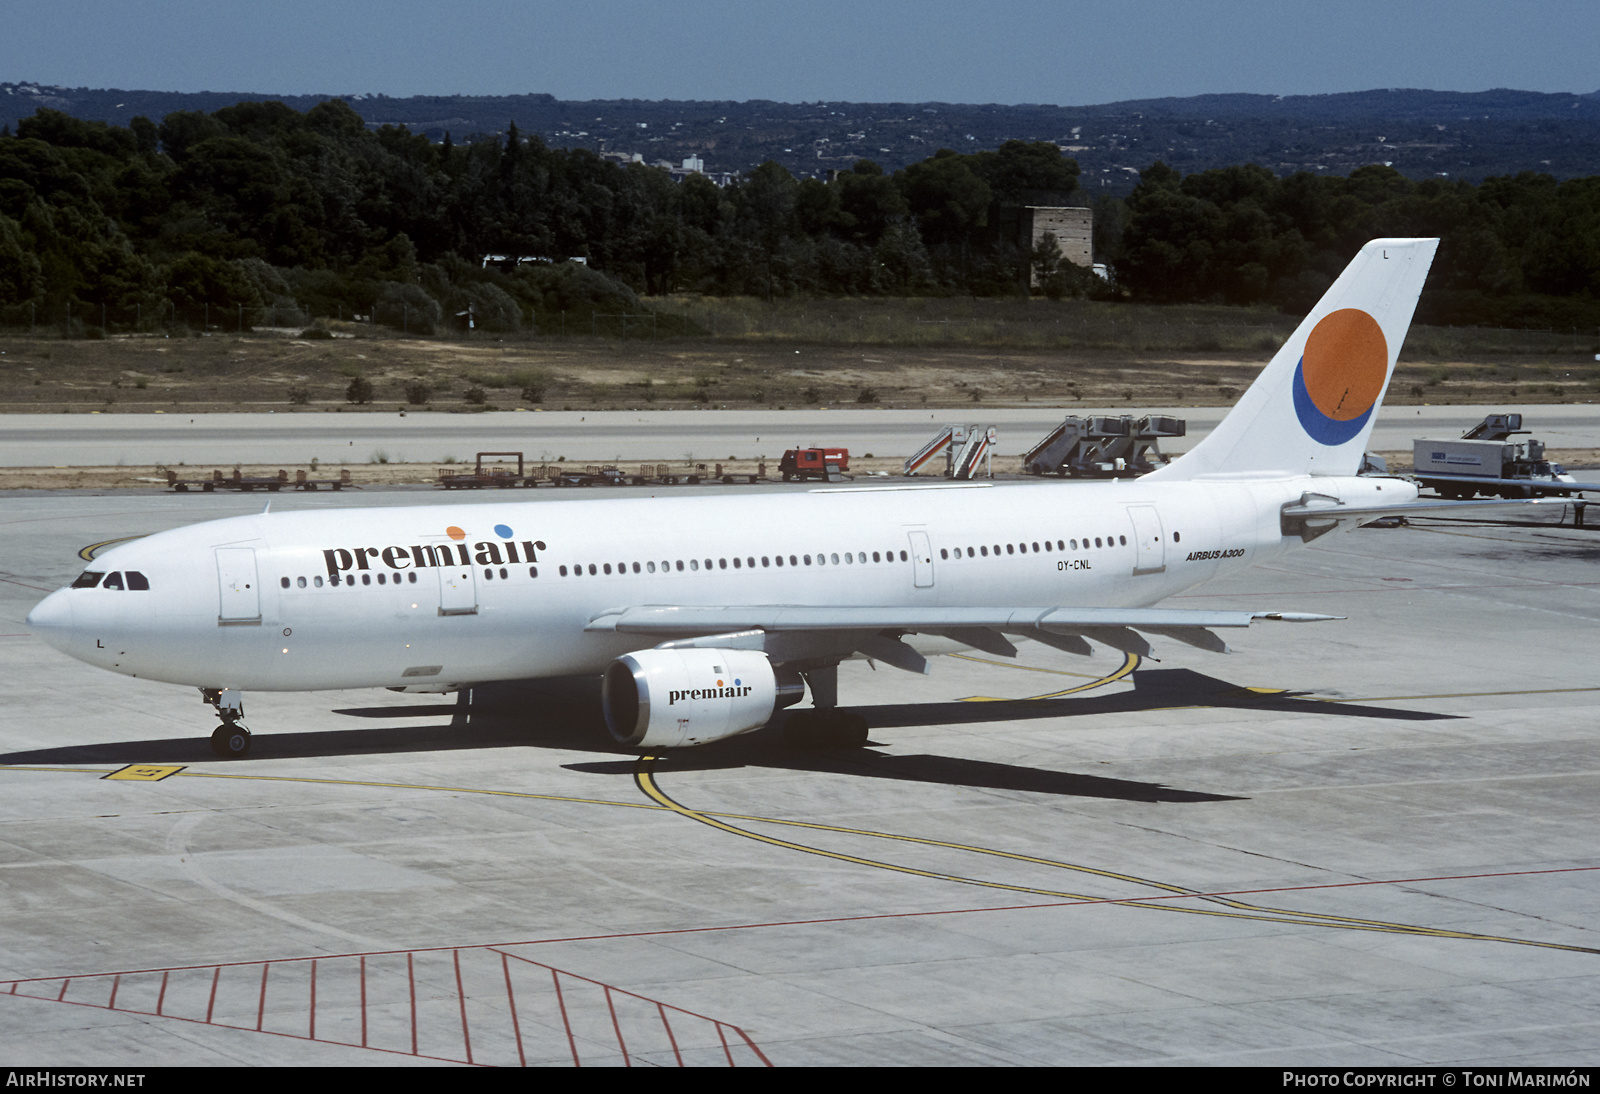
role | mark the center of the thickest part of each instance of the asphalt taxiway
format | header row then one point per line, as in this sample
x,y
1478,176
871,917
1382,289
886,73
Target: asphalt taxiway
x,y
421,436
1360,842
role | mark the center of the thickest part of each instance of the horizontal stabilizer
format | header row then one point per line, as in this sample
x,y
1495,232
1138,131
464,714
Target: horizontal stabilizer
x,y
1321,517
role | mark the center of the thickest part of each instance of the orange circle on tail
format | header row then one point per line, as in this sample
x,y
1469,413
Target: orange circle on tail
x,y
1345,364
455,533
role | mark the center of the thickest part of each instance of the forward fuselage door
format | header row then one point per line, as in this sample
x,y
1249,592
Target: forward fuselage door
x,y
921,560
458,587
239,588
1150,557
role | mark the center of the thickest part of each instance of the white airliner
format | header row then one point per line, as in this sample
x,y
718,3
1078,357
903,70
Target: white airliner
x,y
705,615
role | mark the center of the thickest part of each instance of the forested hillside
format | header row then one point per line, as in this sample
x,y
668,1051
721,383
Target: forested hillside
x,y
216,218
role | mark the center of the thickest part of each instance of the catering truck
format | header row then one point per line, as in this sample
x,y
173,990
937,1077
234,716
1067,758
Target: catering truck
x,y
1485,460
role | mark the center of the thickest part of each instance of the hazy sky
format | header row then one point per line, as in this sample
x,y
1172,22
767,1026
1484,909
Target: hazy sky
x,y
1009,51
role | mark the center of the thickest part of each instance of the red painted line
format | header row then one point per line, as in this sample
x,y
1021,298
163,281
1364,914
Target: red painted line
x,y
211,1004
667,932
762,1056
268,1032
608,987
363,1001
411,978
115,984
64,984
261,1007
511,1000
565,1021
461,997
726,1051
25,585
666,1025
161,1000
626,1061
313,1031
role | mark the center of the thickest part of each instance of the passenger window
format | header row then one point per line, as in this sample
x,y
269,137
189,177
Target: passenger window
x,y
366,579
113,581
533,571
283,582
317,581
694,564
88,579
411,577
300,581
943,553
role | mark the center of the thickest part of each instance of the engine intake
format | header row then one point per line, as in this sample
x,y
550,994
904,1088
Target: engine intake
x,y
676,697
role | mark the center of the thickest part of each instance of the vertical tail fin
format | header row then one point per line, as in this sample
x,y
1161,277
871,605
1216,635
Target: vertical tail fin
x,y
1312,408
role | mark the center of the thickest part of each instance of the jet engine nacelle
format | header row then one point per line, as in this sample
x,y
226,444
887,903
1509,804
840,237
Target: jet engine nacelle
x,y
674,697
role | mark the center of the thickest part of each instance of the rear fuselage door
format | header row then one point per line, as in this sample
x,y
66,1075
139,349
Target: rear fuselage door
x,y
921,560
240,591
1150,556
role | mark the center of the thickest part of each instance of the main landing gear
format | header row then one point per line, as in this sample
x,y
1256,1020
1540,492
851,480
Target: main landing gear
x,y
824,725
230,740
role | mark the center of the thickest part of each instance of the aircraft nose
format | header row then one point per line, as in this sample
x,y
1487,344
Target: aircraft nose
x,y
51,619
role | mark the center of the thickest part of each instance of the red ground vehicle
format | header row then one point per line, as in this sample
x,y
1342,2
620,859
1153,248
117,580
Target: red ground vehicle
x,y
814,463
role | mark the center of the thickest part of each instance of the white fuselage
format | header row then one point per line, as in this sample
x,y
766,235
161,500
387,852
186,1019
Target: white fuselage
x,y
443,595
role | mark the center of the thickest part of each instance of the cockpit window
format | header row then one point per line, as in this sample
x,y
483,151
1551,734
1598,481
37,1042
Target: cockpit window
x,y
88,579
137,582
114,581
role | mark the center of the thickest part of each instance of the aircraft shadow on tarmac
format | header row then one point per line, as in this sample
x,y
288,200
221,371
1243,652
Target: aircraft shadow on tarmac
x,y
565,715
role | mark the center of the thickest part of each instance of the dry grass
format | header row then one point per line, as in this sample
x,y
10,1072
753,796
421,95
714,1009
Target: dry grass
x,y
286,374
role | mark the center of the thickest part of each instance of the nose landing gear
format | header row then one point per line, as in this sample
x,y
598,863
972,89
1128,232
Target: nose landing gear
x,y
230,740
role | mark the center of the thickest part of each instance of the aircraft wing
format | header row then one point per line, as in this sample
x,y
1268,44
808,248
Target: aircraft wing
x,y
787,632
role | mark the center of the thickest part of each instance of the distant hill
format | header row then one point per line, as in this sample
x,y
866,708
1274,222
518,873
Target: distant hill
x,y
1421,133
